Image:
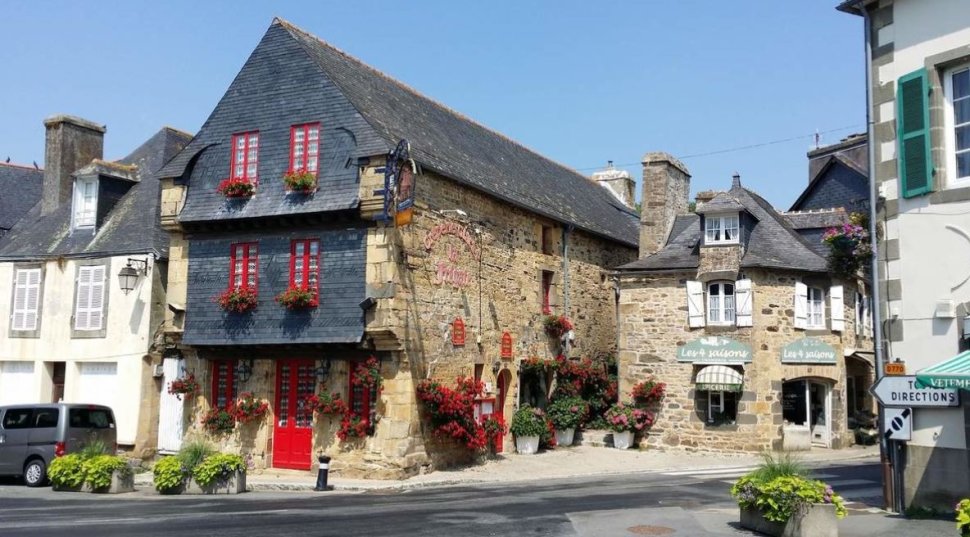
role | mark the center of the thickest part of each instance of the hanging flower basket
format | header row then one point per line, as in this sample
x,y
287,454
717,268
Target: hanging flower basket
x,y
218,421
298,299
353,426
186,386
325,403
239,300
236,188
300,182
649,391
249,409
557,325
368,373
850,247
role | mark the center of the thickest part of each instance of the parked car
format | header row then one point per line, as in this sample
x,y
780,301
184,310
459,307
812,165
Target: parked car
x,y
32,435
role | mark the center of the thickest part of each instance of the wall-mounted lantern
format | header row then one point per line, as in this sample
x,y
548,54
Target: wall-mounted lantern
x,y
244,370
128,275
323,370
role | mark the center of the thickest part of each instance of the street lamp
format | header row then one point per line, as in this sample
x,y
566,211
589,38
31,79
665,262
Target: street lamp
x,y
128,275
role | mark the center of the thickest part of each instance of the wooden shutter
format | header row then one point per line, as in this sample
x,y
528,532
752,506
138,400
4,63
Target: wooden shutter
x,y
695,304
89,310
913,132
26,299
801,306
837,305
742,300
858,313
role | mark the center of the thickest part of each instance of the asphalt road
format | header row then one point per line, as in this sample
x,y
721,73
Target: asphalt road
x,y
537,508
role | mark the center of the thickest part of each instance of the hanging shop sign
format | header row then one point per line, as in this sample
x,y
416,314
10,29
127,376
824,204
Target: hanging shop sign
x,y
448,269
405,192
458,332
398,192
808,350
506,346
714,350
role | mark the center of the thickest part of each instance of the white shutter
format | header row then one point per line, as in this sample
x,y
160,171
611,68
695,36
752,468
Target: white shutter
x,y
88,314
695,304
858,313
801,305
742,300
837,305
867,316
26,299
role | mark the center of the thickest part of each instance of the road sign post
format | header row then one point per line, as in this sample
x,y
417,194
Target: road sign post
x,y
901,391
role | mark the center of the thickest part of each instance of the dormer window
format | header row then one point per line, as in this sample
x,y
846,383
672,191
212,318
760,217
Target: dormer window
x,y
85,202
245,156
721,229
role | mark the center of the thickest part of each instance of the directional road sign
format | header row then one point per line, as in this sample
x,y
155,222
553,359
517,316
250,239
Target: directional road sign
x,y
898,424
900,391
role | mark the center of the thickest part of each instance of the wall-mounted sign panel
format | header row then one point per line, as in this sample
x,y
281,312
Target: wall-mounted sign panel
x,y
808,350
714,350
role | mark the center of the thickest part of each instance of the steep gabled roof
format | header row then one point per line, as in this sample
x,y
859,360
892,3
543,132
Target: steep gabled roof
x,y
20,188
131,226
457,147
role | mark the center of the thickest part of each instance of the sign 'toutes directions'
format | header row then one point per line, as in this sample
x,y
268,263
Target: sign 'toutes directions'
x,y
901,391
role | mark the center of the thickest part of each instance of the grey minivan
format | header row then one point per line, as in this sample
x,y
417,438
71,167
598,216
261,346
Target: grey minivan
x,y
32,435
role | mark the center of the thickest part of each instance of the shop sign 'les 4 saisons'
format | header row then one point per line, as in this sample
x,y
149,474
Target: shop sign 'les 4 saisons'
x,y
808,350
714,350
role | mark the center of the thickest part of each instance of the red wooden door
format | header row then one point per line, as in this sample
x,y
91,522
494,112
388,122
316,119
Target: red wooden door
x,y
293,431
504,380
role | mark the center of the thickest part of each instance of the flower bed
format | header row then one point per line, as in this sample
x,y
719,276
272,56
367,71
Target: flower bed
x,y
239,300
296,299
236,188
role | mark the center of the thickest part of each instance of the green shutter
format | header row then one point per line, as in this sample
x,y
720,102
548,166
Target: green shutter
x,y
913,131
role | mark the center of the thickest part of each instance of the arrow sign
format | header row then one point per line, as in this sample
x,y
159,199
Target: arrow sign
x,y
901,391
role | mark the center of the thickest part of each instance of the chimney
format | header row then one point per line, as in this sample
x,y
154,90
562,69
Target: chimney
x,y
70,144
666,190
704,196
735,181
617,182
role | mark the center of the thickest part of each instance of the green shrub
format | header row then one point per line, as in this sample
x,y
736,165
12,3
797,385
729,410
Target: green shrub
x,y
169,474
193,453
567,412
528,421
98,470
783,465
93,449
217,467
963,517
67,471
778,498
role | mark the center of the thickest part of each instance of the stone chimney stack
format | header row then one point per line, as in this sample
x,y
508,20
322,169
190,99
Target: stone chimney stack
x,y
70,144
618,182
666,190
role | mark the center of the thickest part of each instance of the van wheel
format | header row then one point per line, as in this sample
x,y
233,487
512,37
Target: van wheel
x,y
35,473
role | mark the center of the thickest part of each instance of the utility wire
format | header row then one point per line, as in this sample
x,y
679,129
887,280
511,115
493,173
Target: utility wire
x,y
739,148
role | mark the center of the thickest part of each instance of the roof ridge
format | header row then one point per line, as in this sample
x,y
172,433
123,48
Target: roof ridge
x,y
779,218
177,130
291,27
814,211
24,166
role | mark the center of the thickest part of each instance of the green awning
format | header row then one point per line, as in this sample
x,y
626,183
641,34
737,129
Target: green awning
x,y
953,373
718,378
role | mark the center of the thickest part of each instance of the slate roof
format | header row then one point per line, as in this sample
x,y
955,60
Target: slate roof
x,y
722,202
20,188
773,242
131,226
453,145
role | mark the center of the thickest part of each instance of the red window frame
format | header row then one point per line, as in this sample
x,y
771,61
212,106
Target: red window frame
x,y
249,157
310,263
224,373
546,291
244,263
361,397
308,156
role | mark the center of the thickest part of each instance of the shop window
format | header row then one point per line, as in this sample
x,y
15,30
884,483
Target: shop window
x,y
304,148
546,292
722,407
244,266
305,265
245,156
223,383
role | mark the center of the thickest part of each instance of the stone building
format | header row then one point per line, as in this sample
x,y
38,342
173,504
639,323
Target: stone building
x,y
760,346
74,330
439,244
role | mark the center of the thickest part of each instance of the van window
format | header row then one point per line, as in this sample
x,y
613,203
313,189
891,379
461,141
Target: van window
x,y
91,418
45,418
17,418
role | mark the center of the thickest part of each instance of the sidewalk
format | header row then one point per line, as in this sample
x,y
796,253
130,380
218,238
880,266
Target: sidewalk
x,y
577,461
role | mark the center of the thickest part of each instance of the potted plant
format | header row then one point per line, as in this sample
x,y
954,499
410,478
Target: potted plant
x,y
494,427
249,409
295,298
528,424
236,188
557,325
777,499
218,421
625,420
220,473
325,403
300,182
850,246
169,475
963,517
238,300
648,392
567,413
87,471
186,386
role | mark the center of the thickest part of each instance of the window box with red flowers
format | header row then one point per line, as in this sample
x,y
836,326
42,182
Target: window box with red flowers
x,y
368,374
249,409
300,182
236,188
557,326
218,421
353,426
238,300
326,403
298,299
186,386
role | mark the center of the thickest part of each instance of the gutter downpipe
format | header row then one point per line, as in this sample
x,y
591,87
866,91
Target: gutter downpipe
x,y
566,234
888,469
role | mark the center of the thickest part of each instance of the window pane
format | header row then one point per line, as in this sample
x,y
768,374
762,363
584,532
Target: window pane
x,y
961,84
963,137
963,164
961,111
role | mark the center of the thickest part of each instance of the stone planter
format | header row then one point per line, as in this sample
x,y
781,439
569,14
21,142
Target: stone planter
x,y
120,483
622,440
527,445
813,520
565,437
235,483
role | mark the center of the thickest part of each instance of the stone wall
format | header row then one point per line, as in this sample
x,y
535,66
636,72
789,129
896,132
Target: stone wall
x,y
653,324
666,191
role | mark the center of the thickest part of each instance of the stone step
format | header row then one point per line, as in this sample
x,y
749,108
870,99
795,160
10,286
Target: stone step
x,y
595,438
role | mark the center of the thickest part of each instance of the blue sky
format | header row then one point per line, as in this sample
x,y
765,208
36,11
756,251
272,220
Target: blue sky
x,y
578,81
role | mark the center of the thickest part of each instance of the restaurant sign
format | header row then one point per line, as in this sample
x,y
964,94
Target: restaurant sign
x,y
714,350
808,350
